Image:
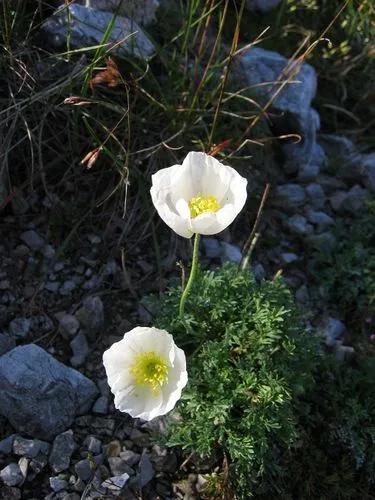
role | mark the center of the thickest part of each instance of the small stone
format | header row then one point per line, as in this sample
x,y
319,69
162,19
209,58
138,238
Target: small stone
x,y
59,266
29,448
324,242
103,387
259,272
93,444
289,196
68,325
332,330
288,258
118,466
91,314
38,463
48,252
349,202
357,196
343,352
308,171
146,470
302,295
113,449
41,323
212,248
84,469
32,239
102,426
4,284
93,283
262,5
101,405
23,464
57,484
331,184
11,475
230,253
337,200
71,496
94,239
20,327
6,445
77,483
115,484
130,457
316,195
80,350
297,224
21,251
320,219
62,450
141,439
368,170
67,287
163,460
7,343
52,286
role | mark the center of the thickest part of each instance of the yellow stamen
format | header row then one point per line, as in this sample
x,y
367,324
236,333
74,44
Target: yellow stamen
x,y
203,204
150,369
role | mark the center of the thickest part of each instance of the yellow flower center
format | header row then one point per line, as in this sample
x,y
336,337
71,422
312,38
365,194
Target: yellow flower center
x,y
150,369
203,204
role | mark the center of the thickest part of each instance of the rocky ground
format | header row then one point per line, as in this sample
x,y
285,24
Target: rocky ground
x,y
63,438
60,435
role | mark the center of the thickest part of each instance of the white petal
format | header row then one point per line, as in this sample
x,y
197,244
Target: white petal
x,y
177,380
168,212
139,402
166,177
146,339
183,208
238,192
206,176
118,356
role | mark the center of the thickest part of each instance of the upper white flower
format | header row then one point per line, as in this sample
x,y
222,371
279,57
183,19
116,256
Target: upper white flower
x,y
200,196
146,372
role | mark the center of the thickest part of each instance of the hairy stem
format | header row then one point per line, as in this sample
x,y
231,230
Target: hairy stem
x,y
193,272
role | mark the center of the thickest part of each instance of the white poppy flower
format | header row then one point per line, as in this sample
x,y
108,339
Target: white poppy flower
x,y
200,196
146,372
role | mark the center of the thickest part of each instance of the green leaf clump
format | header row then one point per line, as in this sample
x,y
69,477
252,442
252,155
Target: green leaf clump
x,y
264,397
249,360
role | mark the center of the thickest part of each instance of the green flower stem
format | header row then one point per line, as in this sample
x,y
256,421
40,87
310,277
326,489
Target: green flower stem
x,y
193,272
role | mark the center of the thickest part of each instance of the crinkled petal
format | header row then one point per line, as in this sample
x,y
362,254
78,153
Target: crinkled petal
x,y
139,402
145,339
177,380
119,355
168,213
206,176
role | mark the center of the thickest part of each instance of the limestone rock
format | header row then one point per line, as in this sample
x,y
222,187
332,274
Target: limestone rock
x,y
86,27
39,395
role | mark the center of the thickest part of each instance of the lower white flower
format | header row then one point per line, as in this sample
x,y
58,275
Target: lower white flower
x,y
146,372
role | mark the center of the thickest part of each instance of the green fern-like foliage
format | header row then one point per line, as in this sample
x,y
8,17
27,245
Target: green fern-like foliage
x,y
249,361
264,398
